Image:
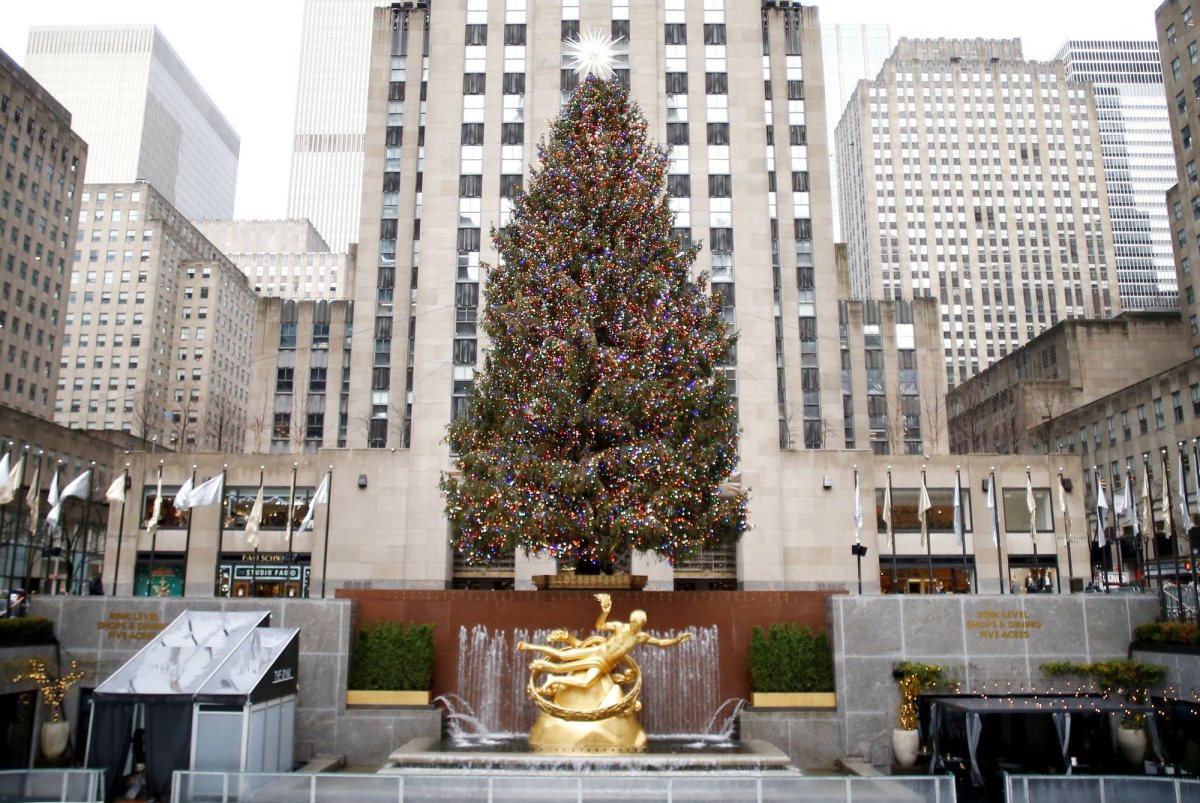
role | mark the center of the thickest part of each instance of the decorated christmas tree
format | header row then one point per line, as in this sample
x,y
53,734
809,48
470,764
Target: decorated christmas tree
x,y
599,422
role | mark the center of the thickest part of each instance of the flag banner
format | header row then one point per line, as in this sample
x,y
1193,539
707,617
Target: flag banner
x,y
254,520
1147,504
1183,500
1129,508
1062,508
991,503
923,512
183,496
858,519
291,503
958,511
1101,513
77,488
52,496
207,493
4,469
322,497
887,513
33,498
12,480
1168,516
1031,503
151,524
116,491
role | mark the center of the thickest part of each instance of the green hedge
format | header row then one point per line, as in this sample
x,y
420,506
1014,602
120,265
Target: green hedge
x,y
790,658
1168,633
26,630
391,656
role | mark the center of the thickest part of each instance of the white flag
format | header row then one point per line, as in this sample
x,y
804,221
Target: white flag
x,y
254,520
1147,504
922,511
991,503
958,511
1130,508
1168,516
322,497
887,513
77,488
52,496
1062,508
183,495
1031,503
151,524
116,491
8,491
207,493
4,474
33,498
1183,500
1101,513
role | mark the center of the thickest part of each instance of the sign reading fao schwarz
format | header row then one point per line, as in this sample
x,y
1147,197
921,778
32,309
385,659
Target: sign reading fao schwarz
x,y
267,572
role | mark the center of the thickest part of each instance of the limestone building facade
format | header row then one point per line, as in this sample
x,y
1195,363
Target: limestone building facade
x,y
42,174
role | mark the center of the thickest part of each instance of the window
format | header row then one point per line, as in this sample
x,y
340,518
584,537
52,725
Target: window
x,y
1160,420
284,380
1016,510
940,517
1176,71
1177,405
1143,427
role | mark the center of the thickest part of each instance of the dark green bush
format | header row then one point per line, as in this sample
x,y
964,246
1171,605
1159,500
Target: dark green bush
x,y
790,658
391,656
28,630
1167,633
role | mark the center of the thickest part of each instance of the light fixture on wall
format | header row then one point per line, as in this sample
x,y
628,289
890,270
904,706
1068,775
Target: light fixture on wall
x,y
362,480
827,482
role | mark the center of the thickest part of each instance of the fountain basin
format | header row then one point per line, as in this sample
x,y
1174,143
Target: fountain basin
x,y
661,754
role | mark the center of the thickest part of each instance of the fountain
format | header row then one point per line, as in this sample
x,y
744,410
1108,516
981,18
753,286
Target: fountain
x,y
487,717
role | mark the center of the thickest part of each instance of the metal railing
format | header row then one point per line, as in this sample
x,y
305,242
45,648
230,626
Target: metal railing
x,y
51,786
1179,601
1100,789
416,787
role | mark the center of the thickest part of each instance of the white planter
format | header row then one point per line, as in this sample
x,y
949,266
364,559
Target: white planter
x,y
905,746
54,738
1132,744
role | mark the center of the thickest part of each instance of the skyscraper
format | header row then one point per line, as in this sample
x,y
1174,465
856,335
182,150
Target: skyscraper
x,y
331,117
144,115
42,164
852,53
973,175
1139,165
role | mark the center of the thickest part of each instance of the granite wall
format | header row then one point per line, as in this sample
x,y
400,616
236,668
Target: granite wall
x,y
991,644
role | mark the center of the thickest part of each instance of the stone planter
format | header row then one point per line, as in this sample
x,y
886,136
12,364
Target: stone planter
x,y
906,744
54,738
1132,744
385,698
816,699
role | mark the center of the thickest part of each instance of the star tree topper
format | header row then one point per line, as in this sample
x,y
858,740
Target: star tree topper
x,y
596,53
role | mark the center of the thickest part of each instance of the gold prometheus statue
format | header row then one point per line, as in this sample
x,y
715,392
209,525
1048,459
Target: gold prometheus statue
x,y
589,697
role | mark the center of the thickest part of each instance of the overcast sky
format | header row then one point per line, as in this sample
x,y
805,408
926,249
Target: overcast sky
x,y
246,52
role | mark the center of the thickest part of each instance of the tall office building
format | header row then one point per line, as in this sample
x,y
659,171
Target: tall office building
x,y
331,117
159,326
43,162
973,175
1139,165
852,52
282,258
1179,46
142,112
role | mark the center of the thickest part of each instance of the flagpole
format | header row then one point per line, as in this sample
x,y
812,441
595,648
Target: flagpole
x,y
1192,553
857,535
120,530
10,555
962,528
925,531
1149,504
1116,531
1037,561
187,539
325,556
254,575
220,537
17,524
1067,531
892,532
290,533
50,535
154,541
87,516
1138,536
996,528
1169,523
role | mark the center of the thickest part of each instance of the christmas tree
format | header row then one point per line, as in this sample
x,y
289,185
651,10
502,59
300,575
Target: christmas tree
x,y
598,423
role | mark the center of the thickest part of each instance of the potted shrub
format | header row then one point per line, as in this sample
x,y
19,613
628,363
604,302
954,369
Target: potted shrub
x,y
391,664
57,730
912,679
1131,679
792,667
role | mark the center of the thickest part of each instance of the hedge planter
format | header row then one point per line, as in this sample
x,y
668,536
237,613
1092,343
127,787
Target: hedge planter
x,y
387,698
816,699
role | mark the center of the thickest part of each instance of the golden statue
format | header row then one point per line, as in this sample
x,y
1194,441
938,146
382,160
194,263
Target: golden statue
x,y
585,708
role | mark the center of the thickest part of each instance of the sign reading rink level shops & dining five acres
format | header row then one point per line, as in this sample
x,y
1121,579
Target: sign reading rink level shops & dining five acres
x,y
996,624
